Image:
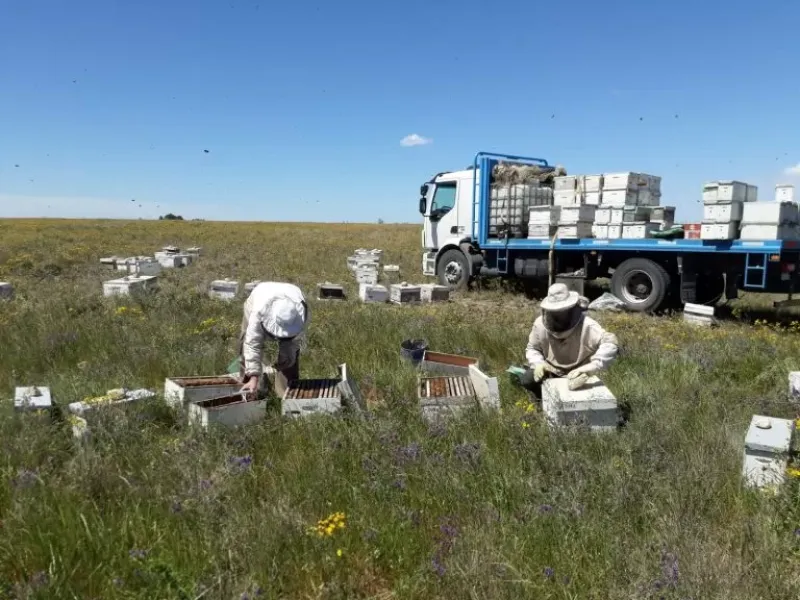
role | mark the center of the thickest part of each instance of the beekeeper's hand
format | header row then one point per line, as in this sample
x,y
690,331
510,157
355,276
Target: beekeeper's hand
x,y
250,386
539,372
577,378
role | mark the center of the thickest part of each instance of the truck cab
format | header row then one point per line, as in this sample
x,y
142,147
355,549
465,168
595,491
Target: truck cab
x,y
446,205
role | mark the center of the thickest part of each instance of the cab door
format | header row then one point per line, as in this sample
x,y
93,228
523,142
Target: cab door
x,y
442,214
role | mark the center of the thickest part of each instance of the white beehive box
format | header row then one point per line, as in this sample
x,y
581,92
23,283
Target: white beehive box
x,y
32,398
391,272
130,285
698,314
544,215
757,232
223,289
404,293
577,231
565,183
593,405
433,292
541,232
180,391
794,386
171,261
766,451
565,198
728,191
770,213
232,410
195,251
307,397
723,213
639,231
330,291
112,398
646,197
602,216
624,181
719,231
6,290
615,231
250,286
618,198
373,293
784,192
592,198
591,184
572,215
447,395
600,232
139,266
367,273
110,261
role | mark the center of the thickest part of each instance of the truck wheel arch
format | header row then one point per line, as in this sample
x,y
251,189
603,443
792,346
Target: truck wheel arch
x,y
454,255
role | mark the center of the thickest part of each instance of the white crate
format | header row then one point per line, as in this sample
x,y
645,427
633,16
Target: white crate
x,y
6,290
698,314
759,232
770,213
724,191
233,410
130,285
576,231
591,184
373,293
367,273
784,192
617,215
181,391
541,232
602,216
615,231
112,398
432,292
593,405
723,213
600,232
33,397
571,215
624,181
565,198
544,215
618,198
223,289
639,231
719,231
766,451
565,183
710,192
646,197
592,198
404,293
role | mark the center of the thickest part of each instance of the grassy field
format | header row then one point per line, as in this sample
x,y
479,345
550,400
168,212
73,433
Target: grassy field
x,y
490,506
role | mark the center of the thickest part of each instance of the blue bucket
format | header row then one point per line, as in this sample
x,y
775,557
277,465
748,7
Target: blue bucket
x,y
413,350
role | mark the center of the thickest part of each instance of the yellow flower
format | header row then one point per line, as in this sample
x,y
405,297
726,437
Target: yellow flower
x,y
793,472
525,425
339,553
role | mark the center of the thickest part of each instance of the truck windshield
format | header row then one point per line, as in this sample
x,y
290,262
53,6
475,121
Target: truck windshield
x,y
444,198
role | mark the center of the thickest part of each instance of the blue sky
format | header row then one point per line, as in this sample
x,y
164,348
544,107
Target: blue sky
x,y
302,106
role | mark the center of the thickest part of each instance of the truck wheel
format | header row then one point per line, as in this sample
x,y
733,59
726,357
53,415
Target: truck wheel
x,y
641,284
453,270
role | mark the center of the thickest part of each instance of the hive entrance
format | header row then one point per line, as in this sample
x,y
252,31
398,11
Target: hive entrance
x,y
201,381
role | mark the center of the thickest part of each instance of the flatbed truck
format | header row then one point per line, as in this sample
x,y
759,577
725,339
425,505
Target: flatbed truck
x,y
647,275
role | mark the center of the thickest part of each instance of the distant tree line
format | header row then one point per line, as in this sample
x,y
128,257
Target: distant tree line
x,y
170,217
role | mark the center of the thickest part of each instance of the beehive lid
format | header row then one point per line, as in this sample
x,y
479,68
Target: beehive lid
x,y
32,397
767,434
224,284
205,381
404,286
592,396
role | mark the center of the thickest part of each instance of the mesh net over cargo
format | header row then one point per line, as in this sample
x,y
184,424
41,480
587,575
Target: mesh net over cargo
x,y
514,190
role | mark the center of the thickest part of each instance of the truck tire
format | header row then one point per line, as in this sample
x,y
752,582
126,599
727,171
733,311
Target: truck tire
x,y
641,284
453,270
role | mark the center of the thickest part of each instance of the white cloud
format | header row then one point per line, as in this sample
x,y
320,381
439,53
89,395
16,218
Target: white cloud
x,y
415,140
795,170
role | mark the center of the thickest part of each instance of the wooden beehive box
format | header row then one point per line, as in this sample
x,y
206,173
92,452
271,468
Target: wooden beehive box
x,y
404,293
448,395
230,410
181,391
306,397
330,291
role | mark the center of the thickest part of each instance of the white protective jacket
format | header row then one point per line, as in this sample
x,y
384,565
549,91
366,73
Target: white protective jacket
x,y
586,343
255,334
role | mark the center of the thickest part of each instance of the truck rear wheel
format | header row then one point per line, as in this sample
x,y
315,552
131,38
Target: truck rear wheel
x,y
641,284
453,270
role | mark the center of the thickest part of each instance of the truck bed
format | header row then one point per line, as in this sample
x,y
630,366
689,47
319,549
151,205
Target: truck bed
x,y
646,245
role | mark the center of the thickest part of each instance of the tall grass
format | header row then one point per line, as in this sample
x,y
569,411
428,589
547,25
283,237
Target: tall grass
x,y
487,506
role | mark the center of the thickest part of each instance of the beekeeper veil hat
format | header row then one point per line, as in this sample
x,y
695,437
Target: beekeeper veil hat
x,y
285,318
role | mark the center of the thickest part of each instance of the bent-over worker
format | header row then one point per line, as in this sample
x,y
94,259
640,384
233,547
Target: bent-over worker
x,y
274,312
564,342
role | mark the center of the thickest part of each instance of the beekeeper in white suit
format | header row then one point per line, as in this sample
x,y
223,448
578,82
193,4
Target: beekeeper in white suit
x,y
564,342
274,312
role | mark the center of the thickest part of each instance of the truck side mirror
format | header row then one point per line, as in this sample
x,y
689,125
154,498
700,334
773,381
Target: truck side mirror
x,y
422,205
423,189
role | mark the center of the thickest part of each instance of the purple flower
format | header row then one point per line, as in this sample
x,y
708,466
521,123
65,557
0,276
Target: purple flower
x,y
545,509
137,553
437,429
407,454
205,484
241,462
797,532
549,572
438,567
399,484
669,568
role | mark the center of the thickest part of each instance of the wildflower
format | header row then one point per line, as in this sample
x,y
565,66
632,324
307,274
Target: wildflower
x,y
136,553
545,508
525,424
669,568
339,552
241,462
549,572
793,472
406,454
329,525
